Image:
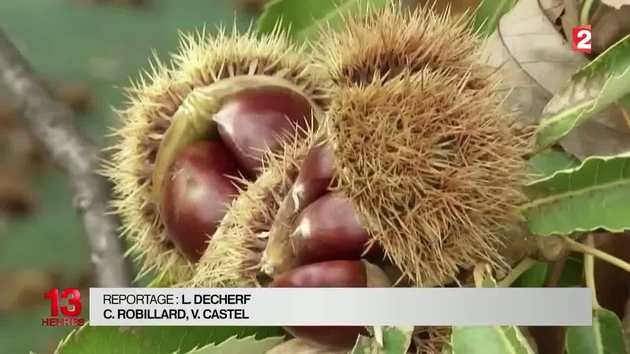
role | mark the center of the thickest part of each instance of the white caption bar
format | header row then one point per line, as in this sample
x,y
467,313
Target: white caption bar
x,y
339,306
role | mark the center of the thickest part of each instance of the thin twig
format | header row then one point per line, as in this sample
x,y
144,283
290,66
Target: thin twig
x,y
53,123
585,13
582,248
589,271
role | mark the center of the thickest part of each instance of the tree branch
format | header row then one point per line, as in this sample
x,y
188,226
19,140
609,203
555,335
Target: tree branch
x,y
52,122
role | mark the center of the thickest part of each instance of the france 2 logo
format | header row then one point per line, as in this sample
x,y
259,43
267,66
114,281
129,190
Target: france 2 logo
x,y
70,309
581,39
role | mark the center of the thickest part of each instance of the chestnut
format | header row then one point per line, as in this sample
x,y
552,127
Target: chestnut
x,y
315,176
331,274
196,194
328,229
255,120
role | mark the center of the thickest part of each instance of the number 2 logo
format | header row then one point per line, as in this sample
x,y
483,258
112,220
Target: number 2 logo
x,y
582,39
72,297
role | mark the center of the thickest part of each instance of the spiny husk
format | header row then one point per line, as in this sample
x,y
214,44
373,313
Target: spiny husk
x,y
431,340
233,254
201,61
432,168
431,162
392,40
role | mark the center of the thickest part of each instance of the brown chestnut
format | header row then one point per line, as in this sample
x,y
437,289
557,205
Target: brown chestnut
x,y
315,176
331,274
256,119
196,194
328,229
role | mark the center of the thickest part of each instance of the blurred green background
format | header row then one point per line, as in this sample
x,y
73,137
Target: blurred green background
x,y
98,46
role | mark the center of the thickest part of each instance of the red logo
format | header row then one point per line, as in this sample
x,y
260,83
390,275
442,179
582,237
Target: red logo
x,y
69,302
581,39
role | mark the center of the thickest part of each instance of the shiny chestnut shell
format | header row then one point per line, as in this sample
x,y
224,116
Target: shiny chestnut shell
x,y
331,274
256,119
329,229
196,194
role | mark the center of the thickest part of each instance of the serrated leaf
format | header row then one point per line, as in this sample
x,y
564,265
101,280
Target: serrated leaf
x,y
302,19
387,340
235,345
487,15
605,336
489,340
591,196
152,339
600,83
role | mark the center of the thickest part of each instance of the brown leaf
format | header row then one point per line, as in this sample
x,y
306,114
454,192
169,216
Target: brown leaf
x,y
596,137
533,55
570,18
609,26
538,62
554,10
617,4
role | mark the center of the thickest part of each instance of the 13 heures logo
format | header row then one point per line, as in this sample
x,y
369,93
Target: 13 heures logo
x,y
68,302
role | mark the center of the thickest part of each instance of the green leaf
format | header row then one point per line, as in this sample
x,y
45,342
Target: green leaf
x,y
302,19
487,15
489,340
152,339
605,336
235,345
591,196
573,272
534,277
550,161
600,83
386,340
396,339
